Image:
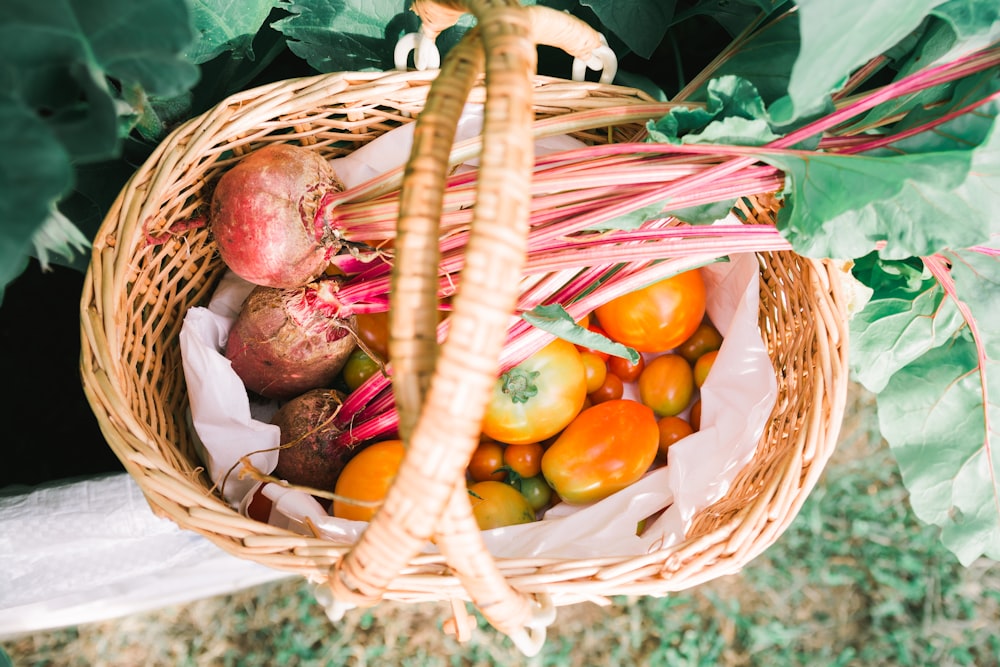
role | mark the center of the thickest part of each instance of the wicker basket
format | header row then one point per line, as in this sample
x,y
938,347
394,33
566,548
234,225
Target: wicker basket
x,y
146,273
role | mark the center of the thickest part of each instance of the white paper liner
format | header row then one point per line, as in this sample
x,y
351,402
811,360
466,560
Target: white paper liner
x,y
737,400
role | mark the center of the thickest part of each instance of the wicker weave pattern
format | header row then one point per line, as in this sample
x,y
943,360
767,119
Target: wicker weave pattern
x,y
146,271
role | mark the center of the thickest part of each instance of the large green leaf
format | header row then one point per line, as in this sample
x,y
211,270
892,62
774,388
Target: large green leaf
x,y
917,203
940,414
226,25
68,69
641,24
907,316
838,37
342,35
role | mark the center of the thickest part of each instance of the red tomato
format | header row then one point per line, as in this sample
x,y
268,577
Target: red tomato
x,y
525,460
606,448
611,389
625,369
495,504
487,462
658,317
704,339
537,398
667,384
703,366
695,415
373,330
367,478
595,370
671,430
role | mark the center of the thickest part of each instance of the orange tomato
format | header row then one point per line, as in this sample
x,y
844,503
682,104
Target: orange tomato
x,y
658,317
525,460
595,370
703,366
611,389
537,398
606,448
367,478
667,384
487,462
704,339
625,369
495,504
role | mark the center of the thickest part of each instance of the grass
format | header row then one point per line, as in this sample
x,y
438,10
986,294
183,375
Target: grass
x,y
855,580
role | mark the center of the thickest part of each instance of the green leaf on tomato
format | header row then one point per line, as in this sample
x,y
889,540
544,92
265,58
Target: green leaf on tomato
x,y
555,320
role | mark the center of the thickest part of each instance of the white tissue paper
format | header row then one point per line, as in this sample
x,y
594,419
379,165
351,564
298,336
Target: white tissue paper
x,y
80,551
737,399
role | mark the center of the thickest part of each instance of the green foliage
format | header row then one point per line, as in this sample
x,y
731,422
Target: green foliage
x,y
72,71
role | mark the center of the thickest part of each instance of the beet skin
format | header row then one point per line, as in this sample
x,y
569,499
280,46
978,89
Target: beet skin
x,y
287,341
313,460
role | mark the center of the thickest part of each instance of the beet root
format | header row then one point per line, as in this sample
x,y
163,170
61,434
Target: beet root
x,y
312,458
263,216
286,341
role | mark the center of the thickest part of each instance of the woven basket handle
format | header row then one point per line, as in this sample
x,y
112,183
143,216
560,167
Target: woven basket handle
x,y
550,27
441,392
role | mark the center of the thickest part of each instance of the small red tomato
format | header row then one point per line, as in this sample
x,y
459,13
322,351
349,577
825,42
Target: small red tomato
x,y
625,369
667,385
671,430
487,462
525,460
704,339
695,415
610,390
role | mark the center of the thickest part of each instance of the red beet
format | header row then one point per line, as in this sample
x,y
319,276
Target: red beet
x,y
287,341
312,459
263,216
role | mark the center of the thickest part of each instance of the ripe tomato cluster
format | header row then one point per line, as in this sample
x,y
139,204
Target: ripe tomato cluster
x,y
570,423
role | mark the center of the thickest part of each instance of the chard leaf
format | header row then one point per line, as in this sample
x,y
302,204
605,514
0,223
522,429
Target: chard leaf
x,y
734,113
838,37
940,415
641,24
765,59
919,203
907,316
226,25
555,320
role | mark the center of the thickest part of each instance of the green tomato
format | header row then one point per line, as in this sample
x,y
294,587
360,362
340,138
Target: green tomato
x,y
536,490
359,367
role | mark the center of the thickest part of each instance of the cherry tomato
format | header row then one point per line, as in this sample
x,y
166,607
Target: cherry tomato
x,y
487,462
611,389
606,448
596,329
625,369
658,317
359,367
667,384
695,415
373,330
536,490
525,460
704,339
595,370
703,366
367,478
671,430
495,504
538,397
